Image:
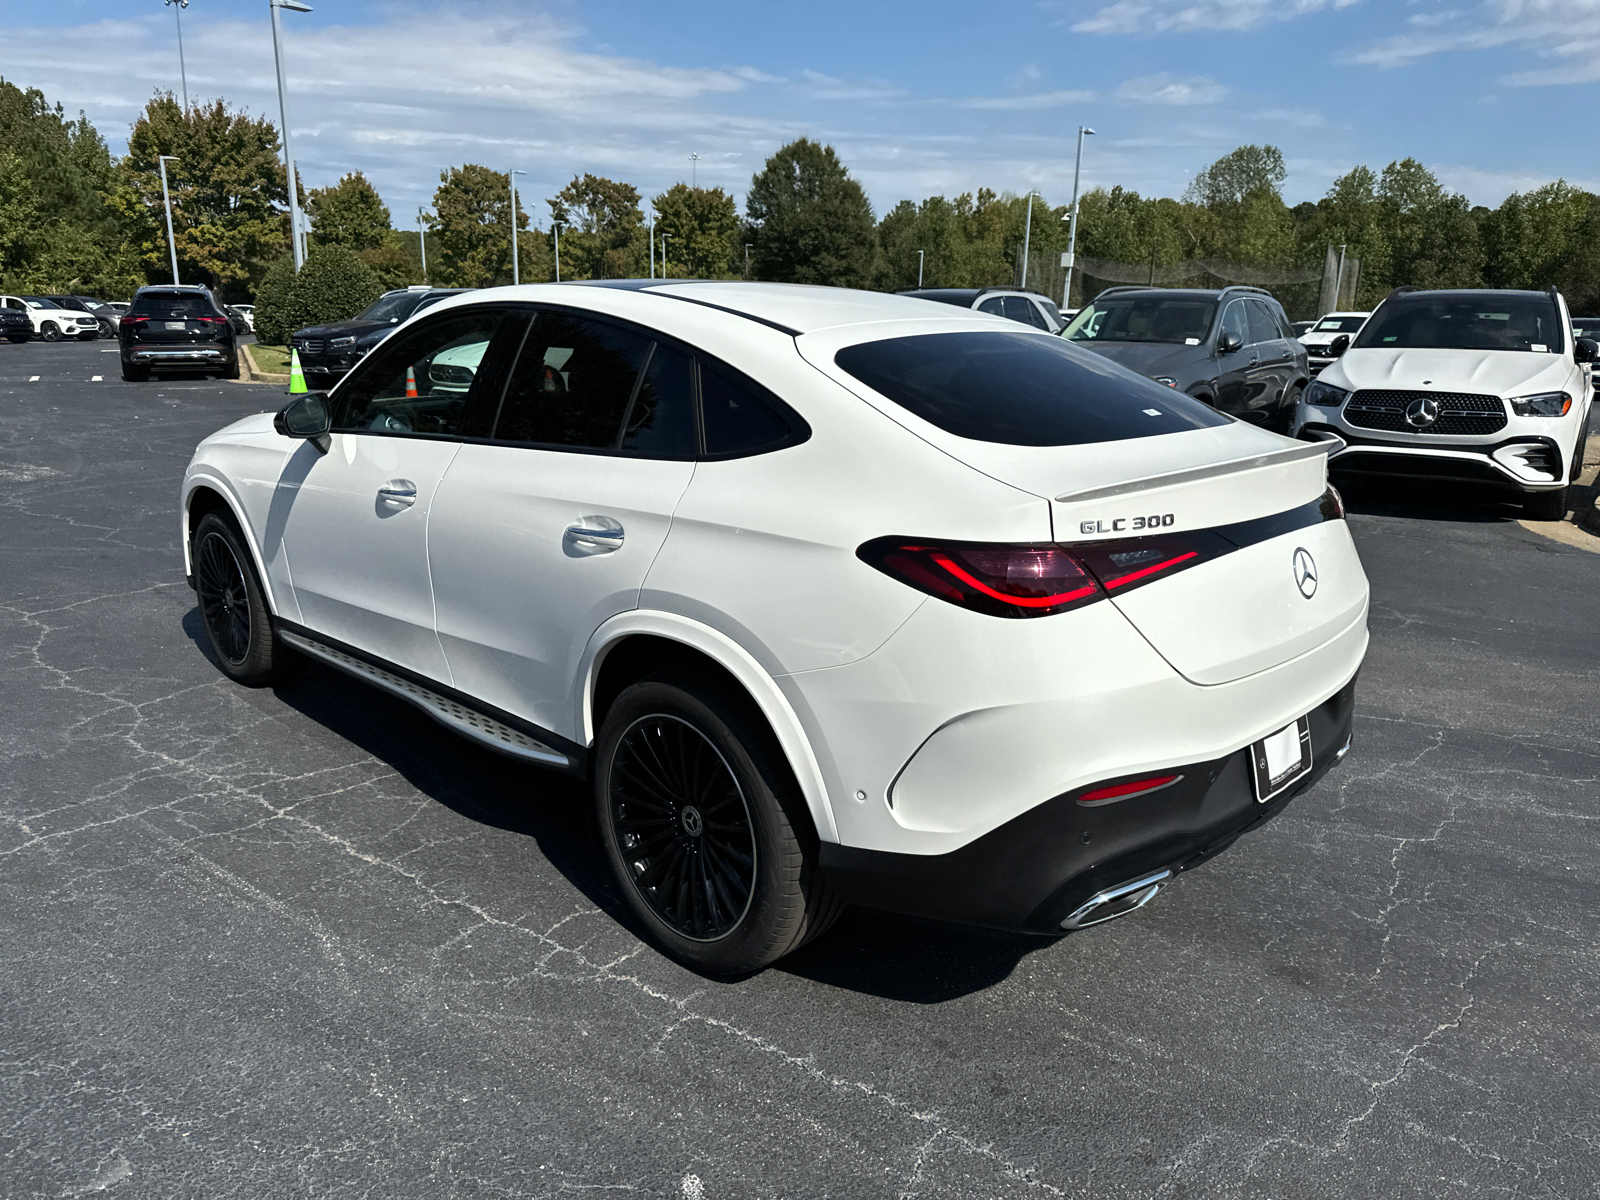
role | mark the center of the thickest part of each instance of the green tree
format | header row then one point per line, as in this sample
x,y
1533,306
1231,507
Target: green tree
x,y
602,229
1237,175
229,194
702,229
1432,235
809,221
469,235
350,213
333,285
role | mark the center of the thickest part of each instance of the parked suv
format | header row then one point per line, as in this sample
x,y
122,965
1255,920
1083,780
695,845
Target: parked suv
x,y
1028,307
1232,349
177,327
98,309
14,323
49,321
1484,386
1322,333
328,351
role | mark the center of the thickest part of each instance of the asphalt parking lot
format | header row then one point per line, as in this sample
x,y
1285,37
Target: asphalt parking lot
x,y
306,942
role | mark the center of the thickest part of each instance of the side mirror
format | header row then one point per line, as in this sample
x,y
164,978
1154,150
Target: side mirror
x,y
1339,345
306,417
1585,350
1229,342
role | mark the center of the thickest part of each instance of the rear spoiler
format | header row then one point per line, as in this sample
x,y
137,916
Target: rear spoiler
x,y
1275,458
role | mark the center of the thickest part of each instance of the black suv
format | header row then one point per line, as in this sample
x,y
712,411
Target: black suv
x,y
14,324
98,309
177,327
327,352
1232,348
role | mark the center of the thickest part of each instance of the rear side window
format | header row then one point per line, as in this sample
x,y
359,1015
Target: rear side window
x,y
572,383
1263,325
1020,389
736,420
1020,308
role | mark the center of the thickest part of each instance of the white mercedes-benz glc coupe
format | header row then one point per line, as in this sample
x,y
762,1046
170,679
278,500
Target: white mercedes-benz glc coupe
x,y
834,597
1478,386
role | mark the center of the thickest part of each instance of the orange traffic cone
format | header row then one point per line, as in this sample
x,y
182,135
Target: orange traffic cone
x,y
411,383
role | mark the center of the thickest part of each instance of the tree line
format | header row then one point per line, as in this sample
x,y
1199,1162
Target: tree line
x,y
73,218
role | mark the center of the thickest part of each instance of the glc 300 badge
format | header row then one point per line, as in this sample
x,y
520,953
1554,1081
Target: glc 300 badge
x,y
1305,572
1129,524
1422,412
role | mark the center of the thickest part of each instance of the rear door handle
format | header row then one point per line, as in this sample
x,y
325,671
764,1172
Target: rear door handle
x,y
597,533
400,492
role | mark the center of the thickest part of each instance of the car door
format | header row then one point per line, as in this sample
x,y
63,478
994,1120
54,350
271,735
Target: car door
x,y
1274,356
545,530
353,521
1233,369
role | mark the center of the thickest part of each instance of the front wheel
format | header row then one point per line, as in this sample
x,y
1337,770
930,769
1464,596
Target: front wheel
x,y
50,332
1288,418
233,608
1546,506
704,826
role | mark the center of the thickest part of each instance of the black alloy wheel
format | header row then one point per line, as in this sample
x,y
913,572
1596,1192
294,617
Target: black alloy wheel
x,y
681,821
705,828
51,332
233,608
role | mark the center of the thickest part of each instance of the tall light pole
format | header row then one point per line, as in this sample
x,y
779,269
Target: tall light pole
x,y
283,115
1070,258
694,170
747,260
1027,233
919,268
516,270
556,225
652,243
166,198
422,233
664,255
177,7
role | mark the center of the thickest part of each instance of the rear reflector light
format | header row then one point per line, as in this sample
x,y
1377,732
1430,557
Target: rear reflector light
x,y
1122,791
1002,581
1123,566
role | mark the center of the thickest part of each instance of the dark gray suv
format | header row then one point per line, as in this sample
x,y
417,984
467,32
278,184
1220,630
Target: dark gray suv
x,y
1233,349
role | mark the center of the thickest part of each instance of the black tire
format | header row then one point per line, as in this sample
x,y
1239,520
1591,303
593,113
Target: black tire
x,y
50,332
1545,506
19,340
135,374
1291,405
705,828
232,371
233,609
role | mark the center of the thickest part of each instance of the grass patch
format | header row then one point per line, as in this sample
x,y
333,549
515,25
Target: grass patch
x,y
271,360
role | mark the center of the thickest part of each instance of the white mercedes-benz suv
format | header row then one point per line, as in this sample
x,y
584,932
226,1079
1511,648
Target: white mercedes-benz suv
x,y
834,597
1480,386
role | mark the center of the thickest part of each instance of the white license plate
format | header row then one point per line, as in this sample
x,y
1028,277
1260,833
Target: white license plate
x,y
177,325
1281,759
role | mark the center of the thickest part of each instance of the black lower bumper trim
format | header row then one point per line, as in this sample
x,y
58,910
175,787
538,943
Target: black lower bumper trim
x,y
1031,872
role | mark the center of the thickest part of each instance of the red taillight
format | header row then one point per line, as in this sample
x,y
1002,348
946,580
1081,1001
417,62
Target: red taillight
x,y
126,321
1133,787
1122,566
1003,581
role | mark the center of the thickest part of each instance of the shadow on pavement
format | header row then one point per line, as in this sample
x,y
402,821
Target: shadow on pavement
x,y
1426,500
877,954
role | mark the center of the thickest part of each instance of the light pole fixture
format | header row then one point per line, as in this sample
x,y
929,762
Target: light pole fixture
x,y
919,268
1027,233
1070,259
694,166
422,233
283,115
166,198
177,7
516,270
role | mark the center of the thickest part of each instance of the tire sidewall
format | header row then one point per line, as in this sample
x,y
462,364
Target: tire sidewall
x,y
761,934
256,666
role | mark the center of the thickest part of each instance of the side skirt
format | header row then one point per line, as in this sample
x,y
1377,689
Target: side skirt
x,y
454,710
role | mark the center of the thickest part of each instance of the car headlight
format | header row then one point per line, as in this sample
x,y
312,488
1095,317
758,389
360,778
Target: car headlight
x,y
1324,395
1545,404
1166,380
341,343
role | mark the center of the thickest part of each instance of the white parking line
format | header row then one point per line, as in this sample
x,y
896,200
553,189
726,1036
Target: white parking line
x,y
97,379
33,379
111,350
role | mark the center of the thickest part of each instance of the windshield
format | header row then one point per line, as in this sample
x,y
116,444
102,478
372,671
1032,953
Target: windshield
x,y
35,303
1339,324
396,306
1487,321
1178,322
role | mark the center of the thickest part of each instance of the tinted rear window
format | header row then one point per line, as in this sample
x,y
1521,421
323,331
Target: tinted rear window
x,y
1020,389
173,304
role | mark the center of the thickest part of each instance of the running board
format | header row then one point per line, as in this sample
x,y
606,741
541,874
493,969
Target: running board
x,y
495,734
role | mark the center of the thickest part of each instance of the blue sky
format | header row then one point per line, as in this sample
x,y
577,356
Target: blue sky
x,y
919,98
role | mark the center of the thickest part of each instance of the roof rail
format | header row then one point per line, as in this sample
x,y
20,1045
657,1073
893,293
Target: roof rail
x,y
1123,287
1404,288
1246,287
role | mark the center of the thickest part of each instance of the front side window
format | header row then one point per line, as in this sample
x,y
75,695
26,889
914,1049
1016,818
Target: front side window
x,y
994,306
1020,390
421,380
394,307
1235,321
1146,318
1020,308
1486,321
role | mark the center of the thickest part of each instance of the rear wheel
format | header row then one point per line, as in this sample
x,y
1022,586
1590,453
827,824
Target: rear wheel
x,y
1291,409
18,339
1546,506
134,374
704,826
233,608
232,370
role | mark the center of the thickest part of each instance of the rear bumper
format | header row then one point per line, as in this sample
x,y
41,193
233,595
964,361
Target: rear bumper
x,y
1030,873
176,356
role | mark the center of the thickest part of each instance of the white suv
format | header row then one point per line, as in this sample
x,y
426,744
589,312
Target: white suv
x,y
1474,385
834,597
1320,336
51,322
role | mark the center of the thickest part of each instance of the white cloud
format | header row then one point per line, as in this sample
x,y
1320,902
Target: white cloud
x,y
1186,16
1565,32
1171,90
1025,103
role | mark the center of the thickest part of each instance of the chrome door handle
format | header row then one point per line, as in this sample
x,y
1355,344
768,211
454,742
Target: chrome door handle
x,y
401,492
604,538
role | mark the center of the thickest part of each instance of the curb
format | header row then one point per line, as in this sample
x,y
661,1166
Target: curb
x,y
252,374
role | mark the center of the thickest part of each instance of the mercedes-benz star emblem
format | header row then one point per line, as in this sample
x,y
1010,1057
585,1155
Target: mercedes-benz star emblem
x,y
1305,572
1422,412
693,823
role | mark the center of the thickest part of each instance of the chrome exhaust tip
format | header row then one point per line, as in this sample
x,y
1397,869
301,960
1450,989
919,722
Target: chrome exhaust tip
x,y
1116,901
